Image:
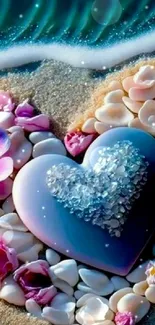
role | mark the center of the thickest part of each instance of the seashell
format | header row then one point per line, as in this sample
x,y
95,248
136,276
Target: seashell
x,y
115,84
114,96
33,308
138,274
49,146
150,294
11,292
13,222
105,290
145,77
131,104
4,142
52,257
37,123
6,168
5,188
117,296
92,278
137,305
6,120
63,286
142,95
8,205
83,300
140,288
20,149
114,114
119,282
67,271
101,127
128,83
78,294
89,126
39,136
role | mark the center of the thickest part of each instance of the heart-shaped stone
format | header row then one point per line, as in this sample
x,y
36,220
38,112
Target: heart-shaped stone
x,y
121,162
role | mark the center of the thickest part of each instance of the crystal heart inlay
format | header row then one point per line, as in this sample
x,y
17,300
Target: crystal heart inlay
x,y
104,194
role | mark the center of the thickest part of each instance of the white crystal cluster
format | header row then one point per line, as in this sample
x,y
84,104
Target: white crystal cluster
x,y
105,194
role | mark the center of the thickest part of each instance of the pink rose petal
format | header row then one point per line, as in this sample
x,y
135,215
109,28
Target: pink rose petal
x,y
38,123
5,188
77,142
24,109
6,168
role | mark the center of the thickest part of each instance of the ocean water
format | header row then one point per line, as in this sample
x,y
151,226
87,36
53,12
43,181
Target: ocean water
x,y
84,33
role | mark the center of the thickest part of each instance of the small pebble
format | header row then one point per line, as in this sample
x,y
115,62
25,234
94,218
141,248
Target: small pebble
x,y
105,290
113,301
137,305
39,136
140,288
138,274
150,294
33,308
11,292
63,286
78,294
49,146
12,221
8,205
6,120
67,271
52,257
31,253
92,278
119,283
88,126
56,317
1,212
95,310
83,300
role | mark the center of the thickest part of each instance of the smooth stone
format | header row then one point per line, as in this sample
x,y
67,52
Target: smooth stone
x,y
93,311
63,286
49,146
114,299
30,254
105,290
93,278
83,300
6,120
12,221
52,257
67,271
137,305
105,322
150,294
71,236
56,317
140,288
33,308
78,294
61,298
1,212
8,205
119,282
11,292
39,136
138,274
89,126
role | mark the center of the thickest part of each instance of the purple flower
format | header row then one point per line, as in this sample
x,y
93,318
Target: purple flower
x,y
35,282
125,318
8,260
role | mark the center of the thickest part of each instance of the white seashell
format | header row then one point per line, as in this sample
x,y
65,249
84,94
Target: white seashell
x,y
33,308
92,278
138,274
140,288
11,292
134,106
1,212
39,136
114,299
31,253
150,294
49,146
78,294
63,286
12,221
137,305
8,205
52,257
101,127
83,300
119,282
115,84
105,290
56,317
67,271
114,96
114,114
89,125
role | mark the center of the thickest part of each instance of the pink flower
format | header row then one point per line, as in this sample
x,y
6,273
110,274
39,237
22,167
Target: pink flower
x,y
35,282
24,109
77,142
126,318
37,123
6,101
150,273
8,260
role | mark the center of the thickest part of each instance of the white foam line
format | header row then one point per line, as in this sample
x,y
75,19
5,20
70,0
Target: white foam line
x,y
77,56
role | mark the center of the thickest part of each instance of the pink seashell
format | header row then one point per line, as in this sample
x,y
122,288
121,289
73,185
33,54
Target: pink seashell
x,y
77,142
6,120
5,188
147,114
142,95
128,83
145,77
20,149
6,168
4,142
114,115
38,123
6,102
24,109
114,96
126,318
131,104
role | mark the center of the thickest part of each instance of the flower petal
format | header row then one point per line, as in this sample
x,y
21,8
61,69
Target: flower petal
x,y
77,142
5,188
24,109
145,77
37,123
4,142
114,115
44,296
6,168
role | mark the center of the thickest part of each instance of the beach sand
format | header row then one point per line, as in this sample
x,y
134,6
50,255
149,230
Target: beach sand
x,y
62,92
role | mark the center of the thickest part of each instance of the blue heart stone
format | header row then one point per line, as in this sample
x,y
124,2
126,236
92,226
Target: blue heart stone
x,y
57,199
